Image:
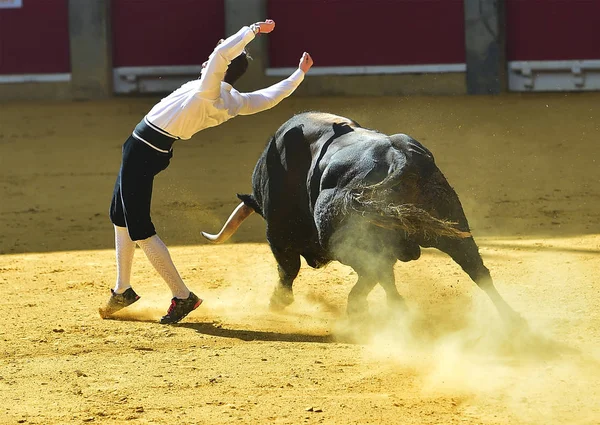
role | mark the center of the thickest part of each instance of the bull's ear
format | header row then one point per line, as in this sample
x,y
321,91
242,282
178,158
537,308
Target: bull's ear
x,y
250,201
339,129
408,143
355,123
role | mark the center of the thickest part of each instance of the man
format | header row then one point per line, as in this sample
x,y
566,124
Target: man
x,y
198,104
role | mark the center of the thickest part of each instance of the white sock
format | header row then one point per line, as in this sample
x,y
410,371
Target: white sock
x,y
159,257
125,248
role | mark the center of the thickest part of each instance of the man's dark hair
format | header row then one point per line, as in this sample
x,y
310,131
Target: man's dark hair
x,y
237,68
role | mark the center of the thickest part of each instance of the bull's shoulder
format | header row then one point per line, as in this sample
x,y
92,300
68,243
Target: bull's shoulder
x,y
316,121
327,119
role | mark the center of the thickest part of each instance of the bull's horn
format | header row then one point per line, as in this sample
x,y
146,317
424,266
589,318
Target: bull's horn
x,y
241,212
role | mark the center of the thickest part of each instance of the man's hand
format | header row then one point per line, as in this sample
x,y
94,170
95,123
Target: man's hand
x,y
266,26
305,62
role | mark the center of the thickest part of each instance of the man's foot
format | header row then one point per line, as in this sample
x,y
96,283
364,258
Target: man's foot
x,y
180,308
118,302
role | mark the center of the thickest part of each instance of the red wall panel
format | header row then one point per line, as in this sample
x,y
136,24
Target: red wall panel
x,y
35,38
552,29
165,32
367,32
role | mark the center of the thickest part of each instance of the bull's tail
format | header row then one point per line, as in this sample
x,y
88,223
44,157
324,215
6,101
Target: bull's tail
x,y
237,217
407,217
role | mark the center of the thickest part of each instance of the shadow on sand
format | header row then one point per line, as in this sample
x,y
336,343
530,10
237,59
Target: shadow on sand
x,y
215,329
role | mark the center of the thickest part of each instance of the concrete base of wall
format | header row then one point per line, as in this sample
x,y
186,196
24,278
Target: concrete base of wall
x,y
322,85
35,91
376,85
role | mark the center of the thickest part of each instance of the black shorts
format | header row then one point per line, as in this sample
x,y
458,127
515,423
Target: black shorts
x,y
132,196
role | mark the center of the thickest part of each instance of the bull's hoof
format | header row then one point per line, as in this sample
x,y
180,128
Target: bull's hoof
x,y
515,323
281,298
357,309
397,305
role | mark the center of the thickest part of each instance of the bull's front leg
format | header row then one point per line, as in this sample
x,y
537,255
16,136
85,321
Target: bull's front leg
x,y
357,298
368,277
288,266
387,280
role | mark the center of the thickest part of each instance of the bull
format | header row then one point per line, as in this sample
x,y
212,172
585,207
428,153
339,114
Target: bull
x,y
330,189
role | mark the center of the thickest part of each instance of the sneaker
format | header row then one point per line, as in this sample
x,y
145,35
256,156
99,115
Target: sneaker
x,y
180,308
118,302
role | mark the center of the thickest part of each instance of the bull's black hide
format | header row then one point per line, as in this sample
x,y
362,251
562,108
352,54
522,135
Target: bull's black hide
x,y
329,189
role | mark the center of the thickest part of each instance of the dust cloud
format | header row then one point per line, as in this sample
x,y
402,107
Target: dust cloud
x,y
453,339
450,336
522,373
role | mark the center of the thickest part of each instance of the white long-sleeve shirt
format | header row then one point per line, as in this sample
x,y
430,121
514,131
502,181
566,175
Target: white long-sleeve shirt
x,y
209,101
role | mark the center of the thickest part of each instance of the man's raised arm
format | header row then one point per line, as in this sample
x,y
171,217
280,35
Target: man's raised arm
x,y
227,50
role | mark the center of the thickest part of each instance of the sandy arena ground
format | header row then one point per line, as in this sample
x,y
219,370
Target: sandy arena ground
x,y
525,168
